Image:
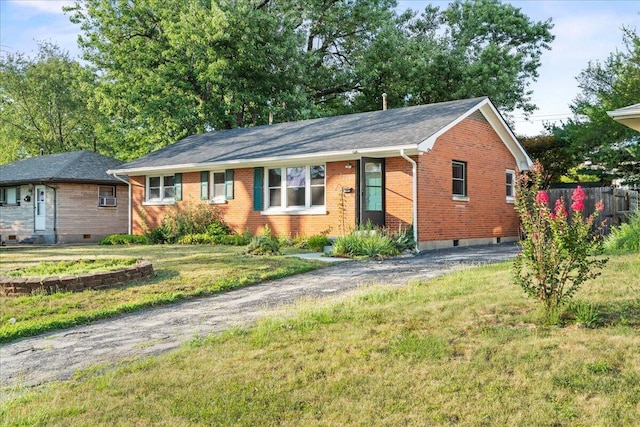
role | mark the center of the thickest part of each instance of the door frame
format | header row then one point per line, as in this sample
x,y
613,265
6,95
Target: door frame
x,y
40,221
362,215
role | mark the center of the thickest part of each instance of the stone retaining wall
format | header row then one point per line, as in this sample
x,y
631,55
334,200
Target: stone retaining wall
x,y
14,286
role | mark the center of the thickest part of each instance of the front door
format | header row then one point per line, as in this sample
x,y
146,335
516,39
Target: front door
x,y
372,191
41,208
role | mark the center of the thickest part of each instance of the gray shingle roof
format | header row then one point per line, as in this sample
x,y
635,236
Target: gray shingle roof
x,y
75,166
377,129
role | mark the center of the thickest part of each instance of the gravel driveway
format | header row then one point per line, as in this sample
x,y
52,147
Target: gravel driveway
x,y
58,355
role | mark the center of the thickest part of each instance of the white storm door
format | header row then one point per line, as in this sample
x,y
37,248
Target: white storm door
x,y
41,208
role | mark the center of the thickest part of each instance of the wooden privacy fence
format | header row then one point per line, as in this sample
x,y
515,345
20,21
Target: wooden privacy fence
x,y
618,203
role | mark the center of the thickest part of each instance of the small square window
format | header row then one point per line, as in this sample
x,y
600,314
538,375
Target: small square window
x,y
106,195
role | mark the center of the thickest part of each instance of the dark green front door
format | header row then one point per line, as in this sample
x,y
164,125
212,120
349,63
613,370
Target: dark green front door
x,y
372,191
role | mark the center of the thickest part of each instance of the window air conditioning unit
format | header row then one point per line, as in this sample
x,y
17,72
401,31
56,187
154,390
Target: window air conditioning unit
x,y
107,201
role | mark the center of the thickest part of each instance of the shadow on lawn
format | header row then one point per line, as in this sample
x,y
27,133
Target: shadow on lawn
x,y
620,313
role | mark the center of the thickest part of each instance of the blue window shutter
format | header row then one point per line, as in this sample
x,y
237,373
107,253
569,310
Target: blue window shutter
x,y
258,184
18,197
177,185
204,185
228,184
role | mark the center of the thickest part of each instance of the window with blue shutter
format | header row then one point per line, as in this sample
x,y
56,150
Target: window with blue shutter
x,y
177,186
204,185
258,185
228,184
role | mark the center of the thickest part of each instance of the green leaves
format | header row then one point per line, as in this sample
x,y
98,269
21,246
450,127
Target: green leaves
x,y
44,104
171,69
606,86
558,250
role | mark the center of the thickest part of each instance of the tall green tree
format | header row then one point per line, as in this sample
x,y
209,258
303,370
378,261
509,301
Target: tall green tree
x,y
45,104
471,48
610,149
554,153
170,69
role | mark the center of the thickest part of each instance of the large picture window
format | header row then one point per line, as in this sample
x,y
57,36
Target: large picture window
x,y
160,188
296,187
459,172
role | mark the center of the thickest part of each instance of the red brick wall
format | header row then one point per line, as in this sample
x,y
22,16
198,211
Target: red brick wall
x,y
398,193
238,213
486,214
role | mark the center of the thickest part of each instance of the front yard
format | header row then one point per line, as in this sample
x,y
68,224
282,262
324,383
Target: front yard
x,y
465,349
181,272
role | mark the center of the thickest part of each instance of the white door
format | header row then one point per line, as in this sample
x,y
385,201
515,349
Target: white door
x,y
41,208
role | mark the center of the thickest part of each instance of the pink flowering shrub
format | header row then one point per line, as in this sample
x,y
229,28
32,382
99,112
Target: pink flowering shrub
x,y
559,249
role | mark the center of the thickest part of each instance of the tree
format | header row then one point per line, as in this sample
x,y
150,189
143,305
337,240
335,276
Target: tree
x,y
611,149
554,153
170,69
559,248
472,48
44,104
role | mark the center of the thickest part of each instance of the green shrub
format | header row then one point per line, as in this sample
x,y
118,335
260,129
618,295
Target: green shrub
x,y
264,243
124,239
235,239
403,239
158,235
218,228
558,252
625,237
189,219
207,239
585,313
196,239
317,242
365,242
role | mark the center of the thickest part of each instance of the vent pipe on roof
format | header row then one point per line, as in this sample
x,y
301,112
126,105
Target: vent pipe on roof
x,y
384,102
270,118
42,151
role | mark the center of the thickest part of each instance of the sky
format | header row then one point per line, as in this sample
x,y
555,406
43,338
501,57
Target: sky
x,y
585,30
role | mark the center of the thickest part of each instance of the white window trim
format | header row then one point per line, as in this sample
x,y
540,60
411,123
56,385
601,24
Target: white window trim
x,y
308,209
161,201
221,198
511,199
465,196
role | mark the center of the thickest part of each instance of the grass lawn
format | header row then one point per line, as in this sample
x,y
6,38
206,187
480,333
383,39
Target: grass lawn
x,y
181,272
465,349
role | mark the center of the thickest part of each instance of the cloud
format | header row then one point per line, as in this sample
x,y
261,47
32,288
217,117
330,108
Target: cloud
x,y
43,6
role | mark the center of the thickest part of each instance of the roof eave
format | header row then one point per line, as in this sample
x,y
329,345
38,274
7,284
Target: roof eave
x,y
331,156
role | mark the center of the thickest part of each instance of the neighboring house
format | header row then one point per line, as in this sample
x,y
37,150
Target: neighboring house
x,y
449,167
62,198
628,116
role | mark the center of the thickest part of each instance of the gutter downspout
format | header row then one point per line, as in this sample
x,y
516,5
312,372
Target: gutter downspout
x,y
55,211
129,204
414,170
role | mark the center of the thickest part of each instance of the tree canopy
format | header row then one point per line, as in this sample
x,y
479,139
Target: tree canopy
x,y
44,104
610,149
166,70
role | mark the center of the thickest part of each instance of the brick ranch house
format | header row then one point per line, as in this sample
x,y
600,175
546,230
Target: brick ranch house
x,y
61,198
448,167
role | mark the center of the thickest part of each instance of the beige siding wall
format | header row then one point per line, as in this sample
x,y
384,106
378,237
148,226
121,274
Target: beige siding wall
x,y
16,222
80,219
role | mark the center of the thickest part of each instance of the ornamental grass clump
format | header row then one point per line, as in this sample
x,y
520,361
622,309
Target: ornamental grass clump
x,y
560,249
